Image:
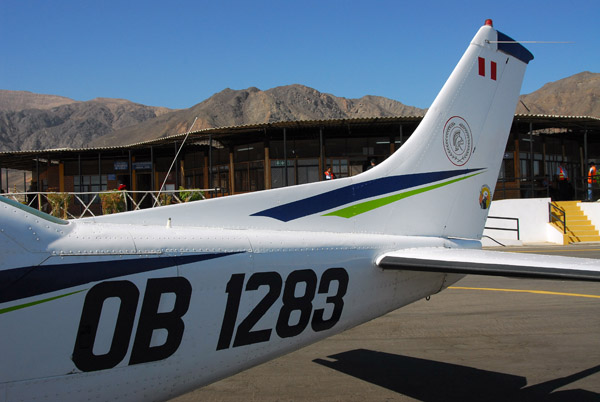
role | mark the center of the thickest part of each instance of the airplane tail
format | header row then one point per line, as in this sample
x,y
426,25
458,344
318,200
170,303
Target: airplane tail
x,y
439,183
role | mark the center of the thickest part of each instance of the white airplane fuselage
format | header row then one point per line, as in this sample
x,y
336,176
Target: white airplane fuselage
x,y
147,305
263,294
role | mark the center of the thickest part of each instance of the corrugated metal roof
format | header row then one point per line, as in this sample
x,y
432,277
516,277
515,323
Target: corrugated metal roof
x,y
580,122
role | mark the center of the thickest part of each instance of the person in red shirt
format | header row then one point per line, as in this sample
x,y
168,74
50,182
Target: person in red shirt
x,y
329,174
592,178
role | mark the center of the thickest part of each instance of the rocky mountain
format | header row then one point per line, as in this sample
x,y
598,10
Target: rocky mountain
x,y
577,95
32,121
21,100
253,106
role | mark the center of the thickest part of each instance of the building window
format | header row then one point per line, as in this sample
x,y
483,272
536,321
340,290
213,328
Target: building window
x,y
278,173
339,167
249,176
90,184
220,178
308,171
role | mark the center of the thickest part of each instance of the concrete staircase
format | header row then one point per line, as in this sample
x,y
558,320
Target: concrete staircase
x,y
579,227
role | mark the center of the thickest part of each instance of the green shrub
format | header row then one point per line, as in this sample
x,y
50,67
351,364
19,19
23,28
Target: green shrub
x,y
190,195
165,198
112,202
60,204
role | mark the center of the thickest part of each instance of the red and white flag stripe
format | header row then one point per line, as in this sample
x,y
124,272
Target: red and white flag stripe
x,y
492,68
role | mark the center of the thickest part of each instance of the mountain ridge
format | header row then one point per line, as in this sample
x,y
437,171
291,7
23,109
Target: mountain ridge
x,y
254,106
35,121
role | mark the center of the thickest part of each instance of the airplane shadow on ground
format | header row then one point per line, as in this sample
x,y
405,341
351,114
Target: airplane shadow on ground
x,y
433,381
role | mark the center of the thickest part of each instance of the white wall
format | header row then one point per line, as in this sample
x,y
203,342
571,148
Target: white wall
x,y
592,211
533,222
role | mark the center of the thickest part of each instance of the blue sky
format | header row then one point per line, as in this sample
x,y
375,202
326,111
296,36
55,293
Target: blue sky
x,y
179,53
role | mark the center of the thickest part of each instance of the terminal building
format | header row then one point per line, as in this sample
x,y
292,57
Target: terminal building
x,y
247,158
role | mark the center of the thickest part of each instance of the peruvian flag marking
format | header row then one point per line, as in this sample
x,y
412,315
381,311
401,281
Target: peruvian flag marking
x,y
493,68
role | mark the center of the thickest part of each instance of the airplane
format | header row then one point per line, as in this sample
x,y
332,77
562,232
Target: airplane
x,y
151,304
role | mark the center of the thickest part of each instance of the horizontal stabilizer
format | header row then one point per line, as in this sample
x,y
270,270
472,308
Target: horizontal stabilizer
x,y
494,263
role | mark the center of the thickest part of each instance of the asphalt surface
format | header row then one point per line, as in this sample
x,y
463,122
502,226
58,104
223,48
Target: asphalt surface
x,y
485,339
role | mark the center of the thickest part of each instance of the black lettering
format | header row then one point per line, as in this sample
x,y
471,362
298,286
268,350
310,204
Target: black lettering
x,y
303,303
332,274
292,303
83,355
245,335
151,319
234,295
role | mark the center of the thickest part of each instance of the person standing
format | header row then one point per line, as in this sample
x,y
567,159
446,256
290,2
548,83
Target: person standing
x,y
563,181
591,180
329,174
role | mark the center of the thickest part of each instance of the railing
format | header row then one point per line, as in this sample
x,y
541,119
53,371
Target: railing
x,y
557,214
540,187
82,204
517,229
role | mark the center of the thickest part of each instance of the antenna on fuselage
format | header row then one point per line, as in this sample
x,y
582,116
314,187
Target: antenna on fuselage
x,y
528,41
173,163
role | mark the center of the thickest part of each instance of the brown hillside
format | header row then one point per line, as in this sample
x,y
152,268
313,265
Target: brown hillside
x,y
33,121
70,125
21,100
253,106
577,95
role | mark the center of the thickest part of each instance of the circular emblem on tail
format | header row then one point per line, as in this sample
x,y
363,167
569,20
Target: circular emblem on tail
x,y
458,141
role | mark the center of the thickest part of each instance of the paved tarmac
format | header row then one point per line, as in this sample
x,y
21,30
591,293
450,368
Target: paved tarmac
x,y
485,339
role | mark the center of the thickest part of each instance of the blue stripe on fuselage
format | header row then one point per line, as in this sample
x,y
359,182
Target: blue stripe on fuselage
x,y
355,192
19,283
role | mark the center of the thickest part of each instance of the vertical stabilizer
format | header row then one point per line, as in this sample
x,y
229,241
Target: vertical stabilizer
x,y
439,183
450,164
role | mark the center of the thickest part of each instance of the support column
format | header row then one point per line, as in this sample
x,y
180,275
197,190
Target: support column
x,y
176,170
517,162
38,184
231,173
401,134
544,169
267,169
582,162
531,160
152,180
210,176
205,173
321,154
100,170
285,169
131,172
48,166
61,177
267,160
80,180
182,173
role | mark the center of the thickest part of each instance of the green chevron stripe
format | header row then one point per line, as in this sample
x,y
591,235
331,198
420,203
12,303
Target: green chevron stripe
x,y
20,306
367,206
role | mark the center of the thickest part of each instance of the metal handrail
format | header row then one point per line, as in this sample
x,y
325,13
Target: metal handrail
x,y
517,229
560,217
132,199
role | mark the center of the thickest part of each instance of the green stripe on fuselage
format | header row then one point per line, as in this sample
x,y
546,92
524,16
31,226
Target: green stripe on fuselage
x,y
20,306
367,206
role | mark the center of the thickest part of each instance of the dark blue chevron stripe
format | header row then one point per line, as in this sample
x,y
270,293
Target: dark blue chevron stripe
x,y
19,283
356,192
